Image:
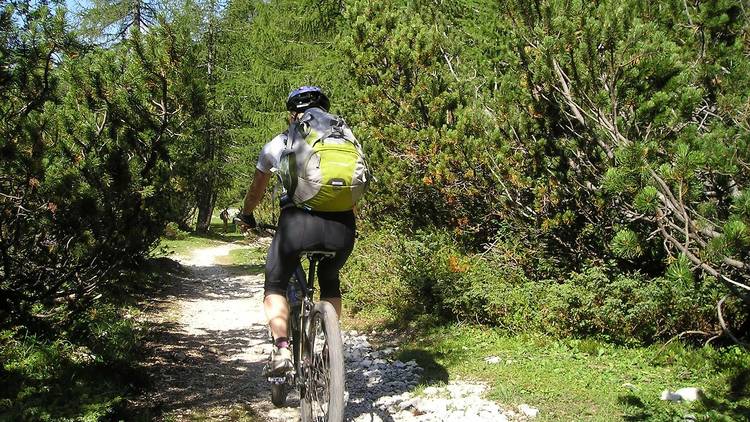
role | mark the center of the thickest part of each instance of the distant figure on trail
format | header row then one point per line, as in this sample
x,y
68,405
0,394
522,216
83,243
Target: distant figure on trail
x,y
316,209
225,218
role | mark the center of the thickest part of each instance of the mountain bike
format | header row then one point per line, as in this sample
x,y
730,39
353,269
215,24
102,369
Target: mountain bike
x,y
317,347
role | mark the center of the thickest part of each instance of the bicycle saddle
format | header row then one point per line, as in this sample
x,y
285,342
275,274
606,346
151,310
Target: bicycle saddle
x,y
319,254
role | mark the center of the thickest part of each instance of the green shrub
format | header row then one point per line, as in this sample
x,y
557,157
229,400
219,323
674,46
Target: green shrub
x,y
173,232
371,278
84,374
425,273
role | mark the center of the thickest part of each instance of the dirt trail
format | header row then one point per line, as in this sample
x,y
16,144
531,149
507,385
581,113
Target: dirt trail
x,y
209,344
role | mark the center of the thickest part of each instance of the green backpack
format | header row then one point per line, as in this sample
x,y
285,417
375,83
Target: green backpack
x,y
323,167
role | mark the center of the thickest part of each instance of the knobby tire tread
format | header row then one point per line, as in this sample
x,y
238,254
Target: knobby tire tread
x,y
325,313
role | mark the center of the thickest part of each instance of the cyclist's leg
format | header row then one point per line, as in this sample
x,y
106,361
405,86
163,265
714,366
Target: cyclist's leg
x,y
282,259
277,314
339,236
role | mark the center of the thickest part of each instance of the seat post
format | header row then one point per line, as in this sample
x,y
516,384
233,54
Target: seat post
x,y
311,274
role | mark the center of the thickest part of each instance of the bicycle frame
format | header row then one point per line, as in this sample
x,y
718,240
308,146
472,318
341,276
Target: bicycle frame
x,y
299,315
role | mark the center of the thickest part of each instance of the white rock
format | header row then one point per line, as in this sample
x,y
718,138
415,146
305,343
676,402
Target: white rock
x,y
433,406
690,393
495,417
457,416
469,416
490,407
368,417
528,410
492,360
380,391
687,394
407,404
431,390
457,391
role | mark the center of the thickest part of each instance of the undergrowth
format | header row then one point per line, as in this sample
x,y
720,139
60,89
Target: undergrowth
x,y
586,379
396,277
82,366
86,373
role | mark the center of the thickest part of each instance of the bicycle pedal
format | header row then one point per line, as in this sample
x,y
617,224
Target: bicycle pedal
x,y
276,380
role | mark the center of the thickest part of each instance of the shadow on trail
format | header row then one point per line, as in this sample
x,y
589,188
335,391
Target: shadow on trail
x,y
434,373
213,281
198,372
205,351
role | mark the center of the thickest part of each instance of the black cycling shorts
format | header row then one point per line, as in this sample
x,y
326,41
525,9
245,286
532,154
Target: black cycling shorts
x,y
299,230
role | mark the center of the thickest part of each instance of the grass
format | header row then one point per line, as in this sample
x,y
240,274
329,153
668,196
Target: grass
x,y
587,380
86,376
187,242
255,257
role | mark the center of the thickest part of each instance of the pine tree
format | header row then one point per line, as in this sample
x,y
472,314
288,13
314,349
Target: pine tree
x,y
649,92
266,55
116,19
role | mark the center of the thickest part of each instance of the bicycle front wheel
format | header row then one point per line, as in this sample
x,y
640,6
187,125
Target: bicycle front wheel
x,y
323,395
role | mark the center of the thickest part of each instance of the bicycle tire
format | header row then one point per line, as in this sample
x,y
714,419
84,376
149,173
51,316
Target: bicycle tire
x,y
323,395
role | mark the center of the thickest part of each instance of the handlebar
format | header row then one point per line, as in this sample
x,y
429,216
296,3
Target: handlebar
x,y
261,226
266,226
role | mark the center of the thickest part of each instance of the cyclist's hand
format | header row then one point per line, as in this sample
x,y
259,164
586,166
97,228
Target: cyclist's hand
x,y
248,220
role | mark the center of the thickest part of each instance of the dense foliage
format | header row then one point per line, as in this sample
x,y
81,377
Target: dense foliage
x,y
92,163
605,144
99,145
568,167
561,166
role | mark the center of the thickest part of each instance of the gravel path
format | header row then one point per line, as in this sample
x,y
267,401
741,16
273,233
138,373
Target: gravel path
x,y
210,343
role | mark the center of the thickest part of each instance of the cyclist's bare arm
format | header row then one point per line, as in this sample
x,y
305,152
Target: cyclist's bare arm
x,y
255,191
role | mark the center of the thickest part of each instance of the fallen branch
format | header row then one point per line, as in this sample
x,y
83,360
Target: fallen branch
x,y
681,335
723,323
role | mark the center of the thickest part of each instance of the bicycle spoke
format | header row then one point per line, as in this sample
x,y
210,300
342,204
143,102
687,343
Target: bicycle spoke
x,y
319,374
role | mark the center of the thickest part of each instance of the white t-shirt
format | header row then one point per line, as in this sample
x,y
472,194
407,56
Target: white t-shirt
x,y
270,155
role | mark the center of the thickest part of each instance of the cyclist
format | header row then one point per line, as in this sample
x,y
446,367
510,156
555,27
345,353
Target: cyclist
x,y
298,230
225,219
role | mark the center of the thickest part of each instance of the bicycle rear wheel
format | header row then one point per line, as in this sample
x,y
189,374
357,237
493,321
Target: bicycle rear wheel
x,y
323,395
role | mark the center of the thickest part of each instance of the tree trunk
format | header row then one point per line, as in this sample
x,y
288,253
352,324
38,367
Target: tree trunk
x,y
206,200
207,193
